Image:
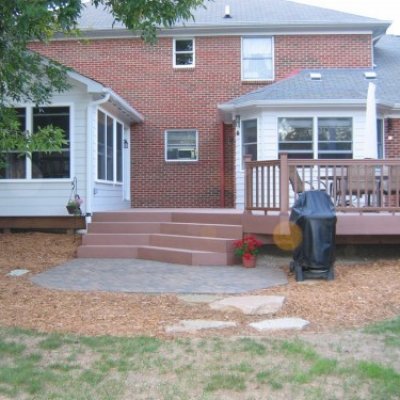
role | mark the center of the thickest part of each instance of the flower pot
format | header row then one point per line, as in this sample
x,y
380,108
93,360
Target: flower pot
x,y
249,261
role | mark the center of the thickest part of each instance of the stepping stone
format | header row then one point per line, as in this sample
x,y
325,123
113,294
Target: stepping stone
x,y
250,305
194,325
199,298
18,272
279,324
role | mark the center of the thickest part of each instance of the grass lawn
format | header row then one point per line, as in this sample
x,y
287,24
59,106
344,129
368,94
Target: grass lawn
x,y
352,365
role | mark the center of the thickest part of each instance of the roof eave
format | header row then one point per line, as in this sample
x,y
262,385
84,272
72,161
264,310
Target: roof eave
x,y
377,29
94,87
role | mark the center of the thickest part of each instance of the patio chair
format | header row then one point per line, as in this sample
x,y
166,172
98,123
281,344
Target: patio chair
x,y
391,184
295,180
298,185
359,181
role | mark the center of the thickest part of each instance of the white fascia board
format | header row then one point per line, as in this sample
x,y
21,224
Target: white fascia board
x,y
291,103
377,29
94,87
124,106
91,85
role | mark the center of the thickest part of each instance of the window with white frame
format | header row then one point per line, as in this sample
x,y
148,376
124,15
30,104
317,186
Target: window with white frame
x,y
335,138
257,59
109,148
40,165
323,138
249,138
184,55
295,137
181,145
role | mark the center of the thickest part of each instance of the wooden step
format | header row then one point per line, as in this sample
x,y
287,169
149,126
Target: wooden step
x,y
203,230
131,216
183,256
105,239
213,244
208,218
124,227
115,251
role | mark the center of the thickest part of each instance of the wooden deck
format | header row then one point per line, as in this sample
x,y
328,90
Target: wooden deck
x,y
366,195
68,223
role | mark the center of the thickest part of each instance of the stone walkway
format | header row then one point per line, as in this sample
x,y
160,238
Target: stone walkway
x,y
143,276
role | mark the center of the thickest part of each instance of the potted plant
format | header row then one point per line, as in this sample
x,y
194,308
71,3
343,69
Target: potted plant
x,y
247,248
74,205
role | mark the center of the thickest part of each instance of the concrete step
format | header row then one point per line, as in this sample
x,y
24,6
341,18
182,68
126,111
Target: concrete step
x,y
193,243
105,239
124,227
183,256
132,216
203,230
93,251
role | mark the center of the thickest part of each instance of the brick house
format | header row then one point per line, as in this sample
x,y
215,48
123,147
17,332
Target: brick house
x,y
166,125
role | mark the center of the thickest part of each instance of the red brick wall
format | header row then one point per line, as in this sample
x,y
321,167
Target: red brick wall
x,y
392,138
176,98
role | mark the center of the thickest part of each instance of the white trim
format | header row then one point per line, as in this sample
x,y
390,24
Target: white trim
x,y
29,127
315,139
193,52
241,138
238,30
243,79
181,160
115,120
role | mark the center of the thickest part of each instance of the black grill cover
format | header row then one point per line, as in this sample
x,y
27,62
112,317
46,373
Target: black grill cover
x,y
314,213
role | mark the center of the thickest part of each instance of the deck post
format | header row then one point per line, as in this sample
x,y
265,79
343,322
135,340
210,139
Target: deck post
x,y
248,184
284,184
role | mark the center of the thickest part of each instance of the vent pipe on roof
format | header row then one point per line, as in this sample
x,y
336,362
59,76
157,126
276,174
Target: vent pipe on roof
x,y
315,76
370,75
227,11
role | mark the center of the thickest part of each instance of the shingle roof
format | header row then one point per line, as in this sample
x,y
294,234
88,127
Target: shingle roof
x,y
336,85
243,13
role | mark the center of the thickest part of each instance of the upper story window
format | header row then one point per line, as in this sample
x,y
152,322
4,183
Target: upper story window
x,y
249,139
109,148
38,165
184,55
322,138
181,145
257,59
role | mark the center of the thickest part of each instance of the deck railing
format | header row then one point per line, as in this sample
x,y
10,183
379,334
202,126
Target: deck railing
x,y
354,185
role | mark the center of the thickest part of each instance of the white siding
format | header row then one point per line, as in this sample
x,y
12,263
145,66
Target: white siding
x,y
267,136
50,196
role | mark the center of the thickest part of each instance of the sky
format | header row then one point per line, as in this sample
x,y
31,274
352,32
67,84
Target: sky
x,y
388,10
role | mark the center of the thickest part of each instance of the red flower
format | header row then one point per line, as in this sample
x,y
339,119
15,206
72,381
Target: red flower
x,y
247,246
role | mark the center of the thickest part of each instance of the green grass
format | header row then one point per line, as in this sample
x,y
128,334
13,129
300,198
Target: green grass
x,y
63,367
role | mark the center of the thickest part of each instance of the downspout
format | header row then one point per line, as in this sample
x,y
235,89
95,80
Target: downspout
x,y
89,154
222,166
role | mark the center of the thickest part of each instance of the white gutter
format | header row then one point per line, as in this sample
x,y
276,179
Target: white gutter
x,y
89,153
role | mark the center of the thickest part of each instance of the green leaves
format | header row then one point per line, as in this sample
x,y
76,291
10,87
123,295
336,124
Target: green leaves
x,y
27,77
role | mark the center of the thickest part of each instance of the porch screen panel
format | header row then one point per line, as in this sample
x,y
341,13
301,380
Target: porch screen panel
x,y
110,149
101,146
119,151
295,136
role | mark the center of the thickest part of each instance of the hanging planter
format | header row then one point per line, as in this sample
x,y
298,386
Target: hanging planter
x,y
74,203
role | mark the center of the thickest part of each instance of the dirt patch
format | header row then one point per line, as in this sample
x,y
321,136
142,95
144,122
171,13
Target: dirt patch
x,y
363,292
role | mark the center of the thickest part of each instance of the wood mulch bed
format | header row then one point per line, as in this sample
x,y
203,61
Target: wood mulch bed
x,y
361,293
